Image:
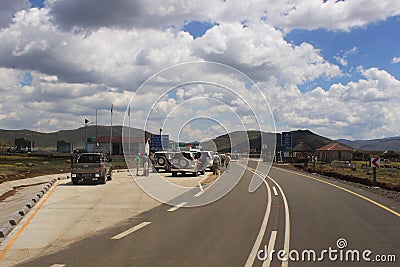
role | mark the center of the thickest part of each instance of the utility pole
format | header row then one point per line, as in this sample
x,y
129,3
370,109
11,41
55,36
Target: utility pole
x,y
112,105
96,122
86,124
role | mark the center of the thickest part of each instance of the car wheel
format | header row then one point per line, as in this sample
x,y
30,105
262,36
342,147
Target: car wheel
x,y
75,181
174,174
161,161
183,163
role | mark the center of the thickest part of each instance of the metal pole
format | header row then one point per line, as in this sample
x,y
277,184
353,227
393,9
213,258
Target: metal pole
x,y
161,144
96,122
111,130
374,176
85,134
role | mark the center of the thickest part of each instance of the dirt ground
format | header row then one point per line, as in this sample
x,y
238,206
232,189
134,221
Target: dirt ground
x,y
15,167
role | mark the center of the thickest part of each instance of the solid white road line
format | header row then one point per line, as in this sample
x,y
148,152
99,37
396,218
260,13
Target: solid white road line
x,y
275,192
180,205
287,223
199,194
131,230
201,187
271,246
256,246
57,265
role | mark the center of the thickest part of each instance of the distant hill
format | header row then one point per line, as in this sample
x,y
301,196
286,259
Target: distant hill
x,y
385,144
48,141
313,140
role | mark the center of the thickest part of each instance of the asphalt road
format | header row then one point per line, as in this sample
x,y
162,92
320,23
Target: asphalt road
x,y
289,212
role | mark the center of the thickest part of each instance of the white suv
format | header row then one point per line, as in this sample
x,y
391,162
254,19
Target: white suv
x,y
162,160
185,162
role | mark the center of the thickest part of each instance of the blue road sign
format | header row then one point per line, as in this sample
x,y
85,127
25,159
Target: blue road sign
x,y
158,142
287,139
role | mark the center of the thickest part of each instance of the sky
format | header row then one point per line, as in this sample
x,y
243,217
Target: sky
x,y
332,67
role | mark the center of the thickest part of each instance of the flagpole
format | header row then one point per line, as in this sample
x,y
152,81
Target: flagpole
x,y
129,132
111,130
96,122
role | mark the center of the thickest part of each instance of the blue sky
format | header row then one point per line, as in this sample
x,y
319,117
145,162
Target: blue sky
x,y
37,3
197,28
374,45
70,56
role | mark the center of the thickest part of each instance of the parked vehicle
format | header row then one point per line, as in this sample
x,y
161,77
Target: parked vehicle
x,y
162,160
186,162
90,166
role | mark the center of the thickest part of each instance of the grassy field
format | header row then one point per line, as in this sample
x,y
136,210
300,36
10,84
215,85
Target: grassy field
x,y
13,167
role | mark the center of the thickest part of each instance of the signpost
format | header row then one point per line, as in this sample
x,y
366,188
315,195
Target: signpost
x,y
159,142
314,160
375,163
286,141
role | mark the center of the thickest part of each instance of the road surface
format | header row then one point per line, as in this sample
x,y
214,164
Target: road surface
x,y
297,213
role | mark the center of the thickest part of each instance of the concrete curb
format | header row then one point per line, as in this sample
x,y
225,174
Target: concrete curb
x,y
36,199
48,182
24,211
11,185
16,218
5,230
30,204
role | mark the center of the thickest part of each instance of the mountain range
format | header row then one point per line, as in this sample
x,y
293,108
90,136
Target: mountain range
x,y
48,141
384,144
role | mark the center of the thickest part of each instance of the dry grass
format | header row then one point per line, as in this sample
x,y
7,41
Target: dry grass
x,y
360,172
16,167
210,179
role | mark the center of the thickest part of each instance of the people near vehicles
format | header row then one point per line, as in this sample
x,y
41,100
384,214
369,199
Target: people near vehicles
x,y
222,157
206,160
227,161
137,164
216,164
145,165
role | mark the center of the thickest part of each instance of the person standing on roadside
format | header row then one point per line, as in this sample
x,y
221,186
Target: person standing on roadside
x,y
145,165
227,161
216,164
137,164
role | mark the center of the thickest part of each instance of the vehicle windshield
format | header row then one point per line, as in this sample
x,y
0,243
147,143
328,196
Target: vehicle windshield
x,y
89,158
